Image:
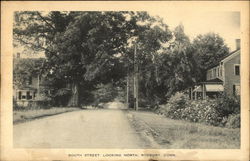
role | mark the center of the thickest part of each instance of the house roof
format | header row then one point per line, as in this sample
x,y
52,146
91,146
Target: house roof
x,y
207,82
214,80
223,58
210,88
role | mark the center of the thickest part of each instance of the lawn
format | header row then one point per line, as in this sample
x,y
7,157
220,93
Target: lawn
x,y
177,134
27,115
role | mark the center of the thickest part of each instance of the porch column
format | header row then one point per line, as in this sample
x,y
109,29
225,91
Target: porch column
x,y
203,91
191,93
195,95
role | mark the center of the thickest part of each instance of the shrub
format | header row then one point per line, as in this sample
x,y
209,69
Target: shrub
x,y
180,107
223,111
227,105
202,111
175,106
16,107
178,101
233,121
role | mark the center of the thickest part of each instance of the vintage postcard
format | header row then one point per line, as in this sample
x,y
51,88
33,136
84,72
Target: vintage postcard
x,y
125,80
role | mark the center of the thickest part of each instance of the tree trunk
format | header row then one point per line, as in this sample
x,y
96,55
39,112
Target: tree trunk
x,y
74,99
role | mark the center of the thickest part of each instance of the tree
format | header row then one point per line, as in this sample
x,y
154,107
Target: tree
x,y
80,47
208,50
36,30
171,69
25,69
86,50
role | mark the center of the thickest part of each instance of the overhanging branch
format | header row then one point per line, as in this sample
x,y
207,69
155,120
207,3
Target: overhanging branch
x,y
32,44
46,21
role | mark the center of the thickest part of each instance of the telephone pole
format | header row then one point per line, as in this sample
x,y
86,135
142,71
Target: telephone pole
x,y
127,97
136,70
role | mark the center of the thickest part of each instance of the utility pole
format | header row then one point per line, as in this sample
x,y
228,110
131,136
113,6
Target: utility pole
x,y
38,85
127,98
135,80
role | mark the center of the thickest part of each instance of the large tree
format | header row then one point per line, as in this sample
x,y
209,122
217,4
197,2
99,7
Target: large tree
x,y
208,50
84,49
170,70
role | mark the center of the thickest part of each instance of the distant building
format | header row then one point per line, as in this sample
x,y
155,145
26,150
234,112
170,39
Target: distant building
x,y
222,77
29,89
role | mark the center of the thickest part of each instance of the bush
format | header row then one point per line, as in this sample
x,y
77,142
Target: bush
x,y
175,106
223,111
203,111
227,105
16,107
233,121
178,101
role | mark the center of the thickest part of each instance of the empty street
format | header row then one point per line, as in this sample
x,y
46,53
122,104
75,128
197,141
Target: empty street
x,y
103,128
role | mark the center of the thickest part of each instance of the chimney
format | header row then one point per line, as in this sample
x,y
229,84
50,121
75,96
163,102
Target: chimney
x,y
237,44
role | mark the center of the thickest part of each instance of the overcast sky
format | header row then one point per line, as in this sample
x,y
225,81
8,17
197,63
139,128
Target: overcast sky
x,y
226,24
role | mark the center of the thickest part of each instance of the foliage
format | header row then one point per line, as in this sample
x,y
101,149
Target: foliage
x,y
25,69
178,101
63,92
208,50
104,93
233,121
210,112
227,105
38,104
171,70
85,49
202,111
196,111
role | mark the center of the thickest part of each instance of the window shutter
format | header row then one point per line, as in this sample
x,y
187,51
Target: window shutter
x,y
234,91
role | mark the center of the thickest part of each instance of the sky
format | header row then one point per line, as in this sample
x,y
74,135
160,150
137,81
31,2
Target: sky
x,y
226,24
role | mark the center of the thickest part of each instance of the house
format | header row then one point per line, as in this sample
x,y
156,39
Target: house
x,y
222,77
28,89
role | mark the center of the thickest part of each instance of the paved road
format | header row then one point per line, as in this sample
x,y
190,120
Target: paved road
x,y
106,128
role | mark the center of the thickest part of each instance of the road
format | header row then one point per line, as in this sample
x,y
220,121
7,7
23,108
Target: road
x,y
101,128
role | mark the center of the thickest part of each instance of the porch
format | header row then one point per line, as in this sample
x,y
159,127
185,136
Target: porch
x,y
204,90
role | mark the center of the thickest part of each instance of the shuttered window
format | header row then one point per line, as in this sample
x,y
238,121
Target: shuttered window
x,y
237,69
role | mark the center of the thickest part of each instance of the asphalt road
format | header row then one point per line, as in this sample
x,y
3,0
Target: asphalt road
x,y
106,128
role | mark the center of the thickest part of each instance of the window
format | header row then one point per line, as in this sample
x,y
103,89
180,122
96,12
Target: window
x,y
237,69
28,95
236,90
19,95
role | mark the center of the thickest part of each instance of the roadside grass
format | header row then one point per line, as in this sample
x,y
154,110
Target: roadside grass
x,y
31,114
178,134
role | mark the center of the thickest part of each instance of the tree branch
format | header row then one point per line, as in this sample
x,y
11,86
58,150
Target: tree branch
x,y
34,45
46,21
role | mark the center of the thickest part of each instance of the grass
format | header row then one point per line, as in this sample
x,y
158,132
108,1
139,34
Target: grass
x,y
31,114
177,134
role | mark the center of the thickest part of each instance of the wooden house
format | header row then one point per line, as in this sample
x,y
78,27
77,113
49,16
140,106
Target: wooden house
x,y
222,77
